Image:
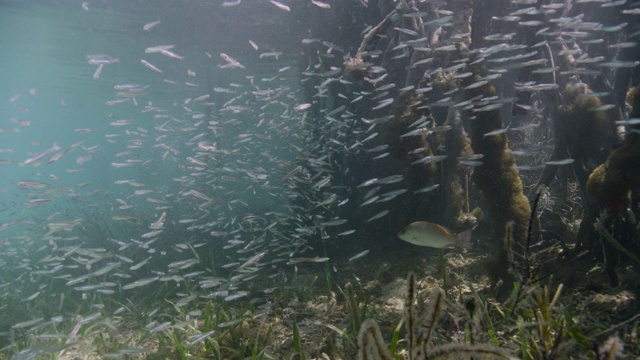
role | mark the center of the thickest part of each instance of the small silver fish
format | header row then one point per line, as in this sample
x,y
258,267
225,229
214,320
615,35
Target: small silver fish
x,y
359,255
427,189
151,25
161,327
297,260
141,282
378,215
560,162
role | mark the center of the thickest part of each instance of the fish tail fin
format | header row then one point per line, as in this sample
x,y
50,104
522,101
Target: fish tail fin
x,y
464,239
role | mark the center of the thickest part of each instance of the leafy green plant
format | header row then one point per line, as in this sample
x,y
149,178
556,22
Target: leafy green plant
x,y
105,345
357,303
207,317
297,341
485,316
443,271
396,338
260,344
179,347
541,332
327,276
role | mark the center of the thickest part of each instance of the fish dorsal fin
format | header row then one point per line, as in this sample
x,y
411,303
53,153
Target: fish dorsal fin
x,y
443,229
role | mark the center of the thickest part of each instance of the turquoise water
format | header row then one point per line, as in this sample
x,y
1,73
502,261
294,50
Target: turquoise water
x,y
75,210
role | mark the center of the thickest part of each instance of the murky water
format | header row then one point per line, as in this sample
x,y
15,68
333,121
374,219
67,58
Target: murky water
x,y
166,163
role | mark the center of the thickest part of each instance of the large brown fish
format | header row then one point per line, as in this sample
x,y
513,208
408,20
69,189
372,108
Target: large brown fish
x,y
424,233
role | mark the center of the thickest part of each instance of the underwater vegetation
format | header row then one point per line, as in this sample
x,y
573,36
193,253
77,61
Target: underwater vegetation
x,y
611,184
497,177
243,190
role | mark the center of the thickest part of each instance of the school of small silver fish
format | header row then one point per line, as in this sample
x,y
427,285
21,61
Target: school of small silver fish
x,y
215,190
